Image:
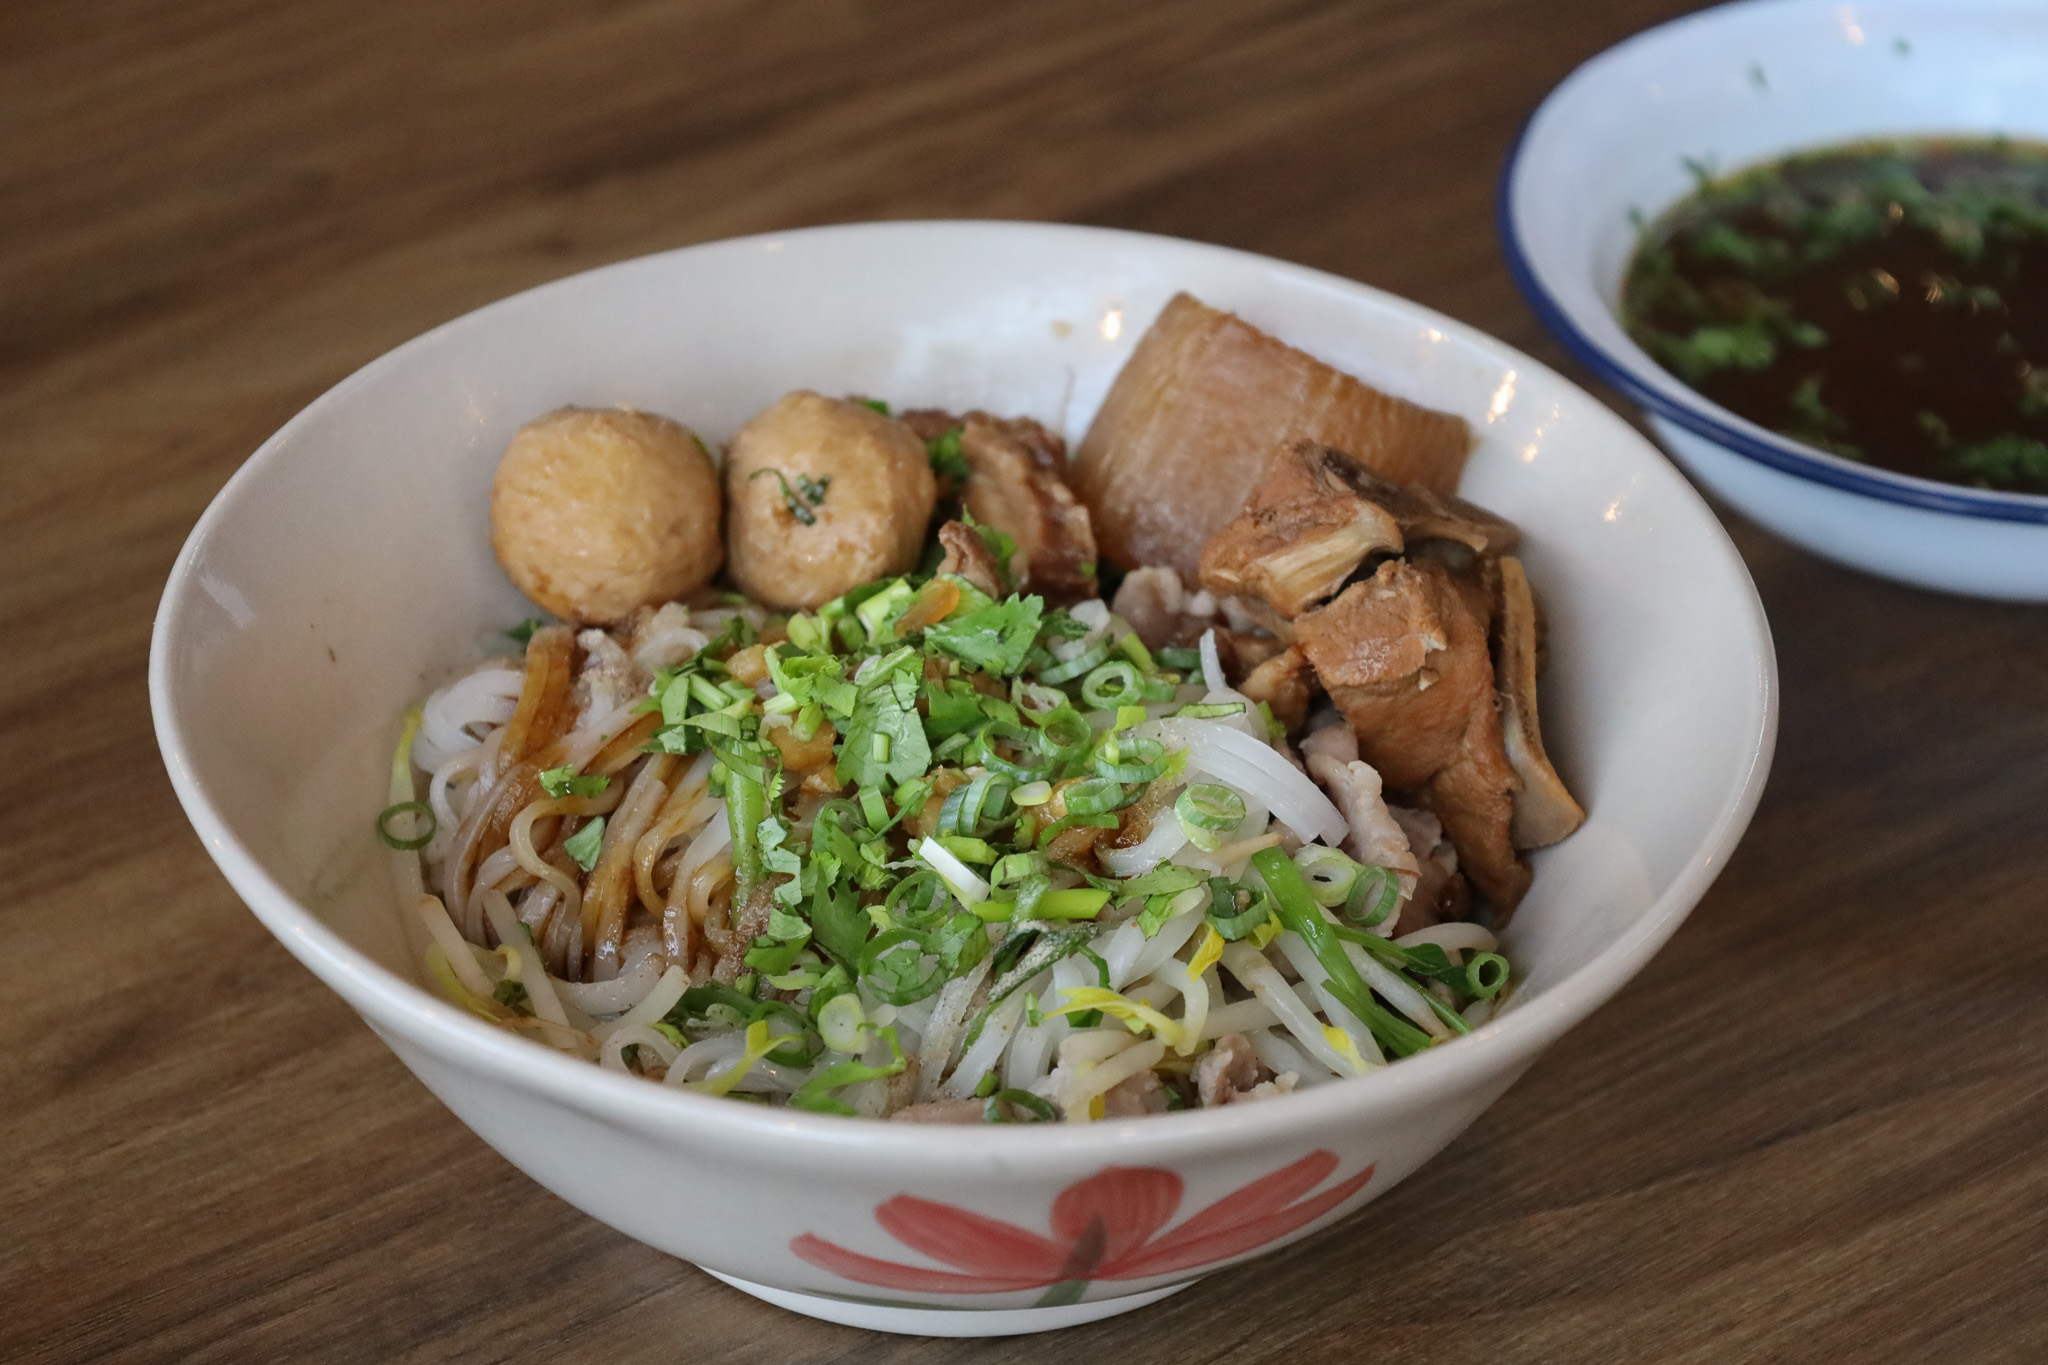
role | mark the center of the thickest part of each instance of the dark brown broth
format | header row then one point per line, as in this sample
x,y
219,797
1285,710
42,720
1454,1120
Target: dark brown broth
x,y
1886,301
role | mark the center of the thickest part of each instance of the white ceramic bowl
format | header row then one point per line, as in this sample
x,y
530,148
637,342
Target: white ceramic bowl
x,y
1737,85
348,566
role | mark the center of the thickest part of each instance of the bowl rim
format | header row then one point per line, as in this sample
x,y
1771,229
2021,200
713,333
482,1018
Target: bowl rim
x,y
388,1001
1652,387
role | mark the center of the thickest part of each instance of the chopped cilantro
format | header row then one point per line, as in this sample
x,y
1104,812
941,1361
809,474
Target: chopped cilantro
x,y
994,638
884,738
875,405
944,453
585,844
523,632
799,501
561,782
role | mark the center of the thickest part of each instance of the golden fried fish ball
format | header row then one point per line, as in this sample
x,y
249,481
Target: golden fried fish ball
x,y
824,495
596,512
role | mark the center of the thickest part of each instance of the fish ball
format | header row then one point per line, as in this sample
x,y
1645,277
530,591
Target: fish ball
x,y
597,512
824,495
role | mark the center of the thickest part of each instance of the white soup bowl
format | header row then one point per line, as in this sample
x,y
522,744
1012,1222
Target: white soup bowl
x,y
1743,84
347,568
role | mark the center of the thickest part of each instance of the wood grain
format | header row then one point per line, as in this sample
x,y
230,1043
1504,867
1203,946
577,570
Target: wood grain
x,y
1816,1128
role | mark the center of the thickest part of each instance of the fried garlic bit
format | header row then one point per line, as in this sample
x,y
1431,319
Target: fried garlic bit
x,y
596,512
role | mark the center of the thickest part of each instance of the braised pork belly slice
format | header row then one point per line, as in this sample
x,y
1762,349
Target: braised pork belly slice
x,y
1182,436
1284,682
1304,531
1316,516
1016,483
1544,811
1404,656
968,555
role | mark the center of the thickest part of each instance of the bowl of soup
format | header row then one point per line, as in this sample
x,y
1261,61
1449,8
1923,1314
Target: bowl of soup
x,y
1811,242
348,570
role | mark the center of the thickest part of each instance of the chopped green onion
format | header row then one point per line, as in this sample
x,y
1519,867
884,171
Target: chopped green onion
x,y
1080,902
1485,975
968,849
891,966
420,811
1019,738
980,798
1014,869
816,1093
1081,663
992,1109
920,901
1210,806
1067,822
1209,710
842,1023
1032,794
1096,796
1112,684
1224,916
1186,660
1374,896
1149,757
1329,874
1065,732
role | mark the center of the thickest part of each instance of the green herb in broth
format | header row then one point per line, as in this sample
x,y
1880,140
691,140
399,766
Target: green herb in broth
x,y
1887,302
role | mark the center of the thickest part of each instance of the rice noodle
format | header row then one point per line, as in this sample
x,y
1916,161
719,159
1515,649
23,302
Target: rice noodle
x,y
702,1055
462,767
1258,769
486,697
616,996
612,1047
1162,841
667,990
608,889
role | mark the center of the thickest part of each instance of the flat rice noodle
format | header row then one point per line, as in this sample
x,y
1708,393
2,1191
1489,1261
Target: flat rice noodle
x,y
608,891
516,790
622,749
546,705
1184,433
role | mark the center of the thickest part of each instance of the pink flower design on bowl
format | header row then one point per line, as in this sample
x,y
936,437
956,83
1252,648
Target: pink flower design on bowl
x,y
1106,1227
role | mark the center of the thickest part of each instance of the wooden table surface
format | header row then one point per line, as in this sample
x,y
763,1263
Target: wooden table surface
x,y
1816,1128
